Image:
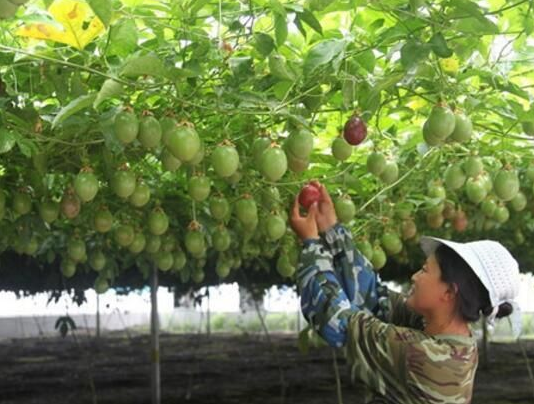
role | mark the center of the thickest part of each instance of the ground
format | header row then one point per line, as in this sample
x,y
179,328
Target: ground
x,y
198,369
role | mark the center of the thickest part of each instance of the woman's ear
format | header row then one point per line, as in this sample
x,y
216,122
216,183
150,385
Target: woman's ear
x,y
452,292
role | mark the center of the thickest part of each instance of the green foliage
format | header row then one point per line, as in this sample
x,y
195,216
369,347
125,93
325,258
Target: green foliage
x,y
238,71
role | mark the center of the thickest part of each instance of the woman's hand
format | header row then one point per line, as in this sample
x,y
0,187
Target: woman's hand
x,y
304,226
326,216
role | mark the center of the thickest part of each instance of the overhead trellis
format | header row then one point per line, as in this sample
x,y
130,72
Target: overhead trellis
x,y
175,135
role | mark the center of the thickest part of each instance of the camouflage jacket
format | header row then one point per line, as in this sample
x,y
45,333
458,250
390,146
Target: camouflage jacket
x,y
343,299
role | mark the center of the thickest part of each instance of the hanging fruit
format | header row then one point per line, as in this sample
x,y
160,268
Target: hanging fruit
x,y
150,132
76,249
221,239
460,221
299,144
463,128
97,260
379,258
22,202
476,190
123,182
391,243
86,185
441,122
140,196
519,202
195,243
345,209
49,211
308,195
183,142
225,160
199,187
169,162
473,166
355,130
376,163
506,184
341,150
390,174
124,235
70,204
103,220
158,222
275,227
246,210
126,126
164,260
273,163
454,177
219,208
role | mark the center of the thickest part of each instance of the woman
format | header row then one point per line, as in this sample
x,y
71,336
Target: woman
x,y
418,350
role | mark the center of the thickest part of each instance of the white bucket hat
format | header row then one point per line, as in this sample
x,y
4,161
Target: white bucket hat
x,y
493,264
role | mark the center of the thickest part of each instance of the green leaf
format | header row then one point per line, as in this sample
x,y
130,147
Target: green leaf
x,y
348,90
309,18
280,29
281,89
263,43
477,26
297,8
109,89
439,46
102,9
74,106
122,38
367,60
319,5
413,52
27,147
241,67
196,6
150,65
470,18
278,8
368,99
322,53
7,140
278,67
298,22
390,80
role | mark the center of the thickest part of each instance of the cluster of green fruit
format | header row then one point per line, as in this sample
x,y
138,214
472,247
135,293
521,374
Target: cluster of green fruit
x,y
443,125
242,231
467,185
382,168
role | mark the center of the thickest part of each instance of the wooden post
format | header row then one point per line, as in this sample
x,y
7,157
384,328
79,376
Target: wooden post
x,y
98,316
154,333
208,325
485,362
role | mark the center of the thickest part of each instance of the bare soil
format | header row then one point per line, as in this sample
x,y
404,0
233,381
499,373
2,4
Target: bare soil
x,y
201,369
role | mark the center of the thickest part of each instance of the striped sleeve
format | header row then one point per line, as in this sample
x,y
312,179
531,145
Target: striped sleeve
x,y
323,301
352,268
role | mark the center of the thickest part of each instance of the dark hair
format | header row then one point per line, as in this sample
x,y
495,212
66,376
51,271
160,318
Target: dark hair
x,y
473,297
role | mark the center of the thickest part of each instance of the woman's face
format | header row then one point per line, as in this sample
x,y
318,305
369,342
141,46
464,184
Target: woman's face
x,y
428,291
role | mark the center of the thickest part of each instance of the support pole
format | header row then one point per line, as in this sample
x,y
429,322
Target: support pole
x,y
208,325
485,345
98,316
154,331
